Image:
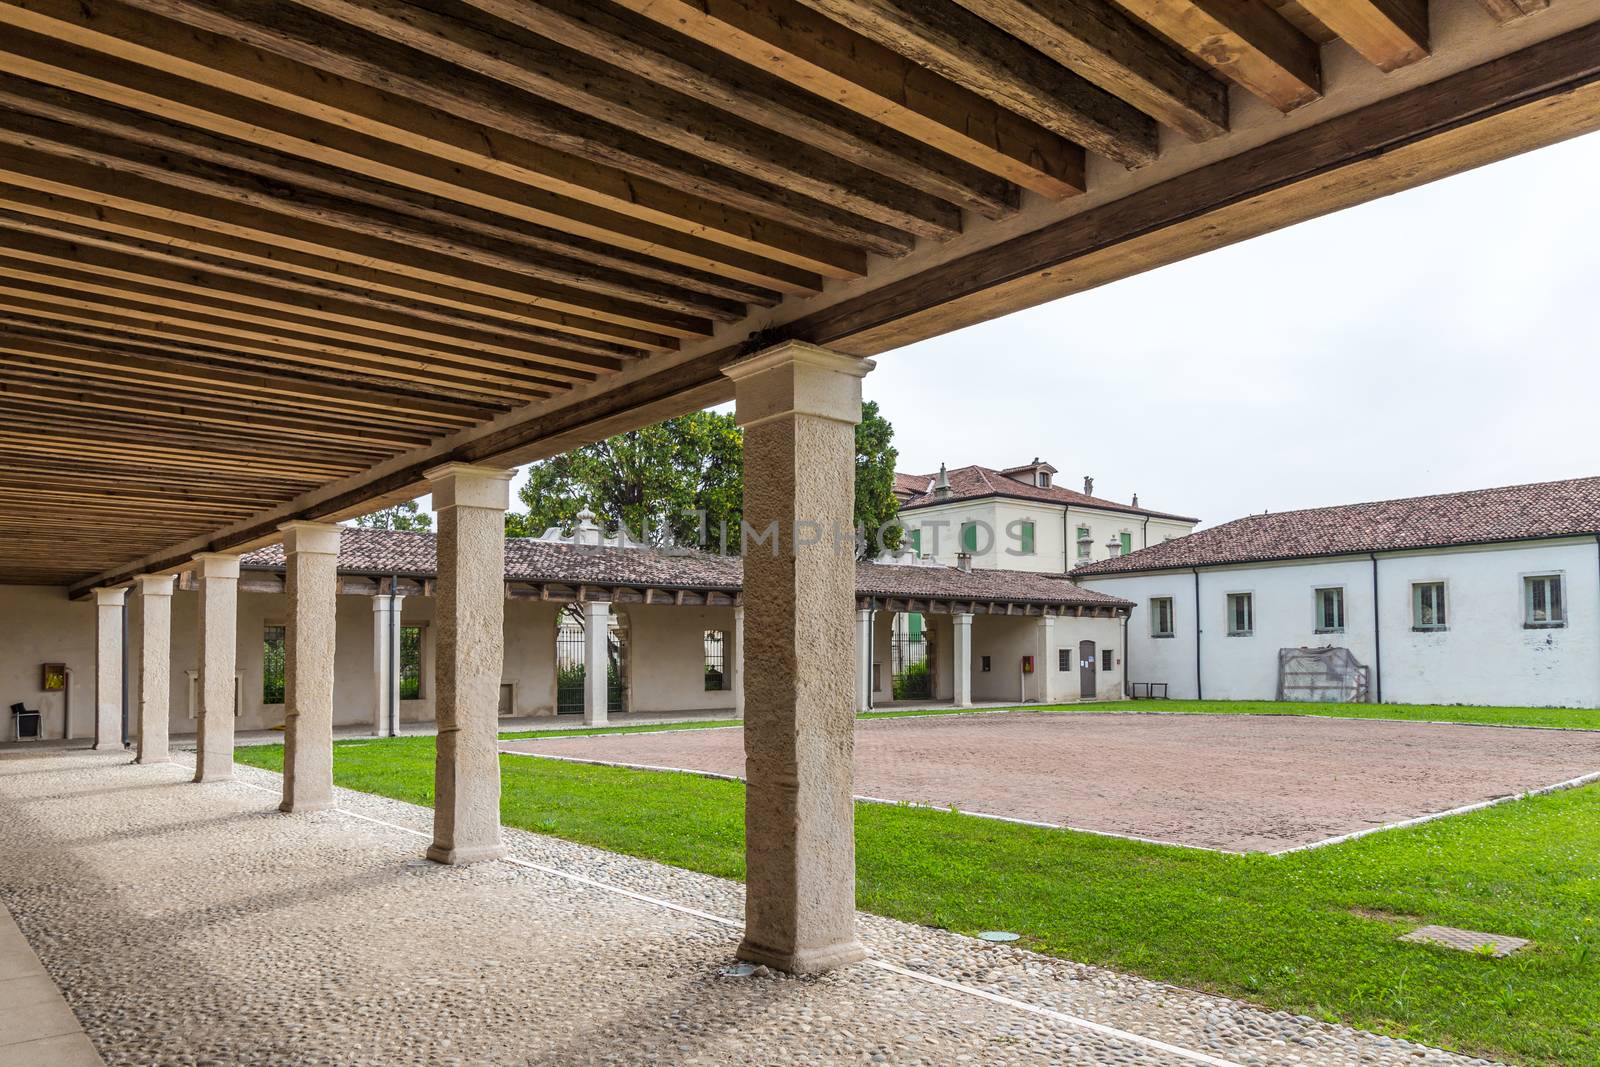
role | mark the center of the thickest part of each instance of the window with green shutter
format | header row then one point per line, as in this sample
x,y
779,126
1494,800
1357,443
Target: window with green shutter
x,y
916,540
1027,538
969,537
1127,542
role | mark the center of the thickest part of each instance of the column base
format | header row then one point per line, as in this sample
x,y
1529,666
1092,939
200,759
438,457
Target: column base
x,y
466,854
597,720
805,961
112,746
214,776
149,760
302,807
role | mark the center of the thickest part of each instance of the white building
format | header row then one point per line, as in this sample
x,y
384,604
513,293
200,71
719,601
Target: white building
x,y
1020,519
1489,597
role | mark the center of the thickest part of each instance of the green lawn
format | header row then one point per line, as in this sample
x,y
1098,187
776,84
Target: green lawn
x,y
1311,932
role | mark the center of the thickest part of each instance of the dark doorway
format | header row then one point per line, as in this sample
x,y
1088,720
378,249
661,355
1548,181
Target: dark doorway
x,y
1086,665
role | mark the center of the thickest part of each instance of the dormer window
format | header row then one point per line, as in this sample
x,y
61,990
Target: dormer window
x,y
1042,479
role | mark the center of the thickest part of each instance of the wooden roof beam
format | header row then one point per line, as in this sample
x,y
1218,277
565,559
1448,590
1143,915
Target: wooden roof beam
x,y
1506,10
281,103
1245,41
1388,33
976,54
1100,42
821,57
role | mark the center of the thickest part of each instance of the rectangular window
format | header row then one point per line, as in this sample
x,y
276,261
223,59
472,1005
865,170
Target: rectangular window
x,y
1064,659
1427,606
272,655
1241,614
916,540
1330,611
984,664
1161,617
969,537
410,663
714,644
1106,662
1542,601
1127,542
1026,537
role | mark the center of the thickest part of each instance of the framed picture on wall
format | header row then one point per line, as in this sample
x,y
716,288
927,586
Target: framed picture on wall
x,y
54,677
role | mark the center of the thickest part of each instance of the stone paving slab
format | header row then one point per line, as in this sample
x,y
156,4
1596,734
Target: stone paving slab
x,y
193,925
1267,783
37,1028
1499,945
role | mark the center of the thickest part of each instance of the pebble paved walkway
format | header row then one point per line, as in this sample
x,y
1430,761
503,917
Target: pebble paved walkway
x,y
195,925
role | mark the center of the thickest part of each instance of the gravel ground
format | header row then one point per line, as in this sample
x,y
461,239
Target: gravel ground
x,y
195,925
1242,783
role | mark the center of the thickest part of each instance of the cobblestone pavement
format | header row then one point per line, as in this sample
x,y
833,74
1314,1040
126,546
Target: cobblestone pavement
x,y
195,925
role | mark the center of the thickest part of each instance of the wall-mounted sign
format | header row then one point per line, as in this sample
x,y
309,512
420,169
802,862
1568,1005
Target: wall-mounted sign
x,y
54,677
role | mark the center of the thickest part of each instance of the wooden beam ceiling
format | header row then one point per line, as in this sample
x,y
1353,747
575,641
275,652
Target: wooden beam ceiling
x,y
255,253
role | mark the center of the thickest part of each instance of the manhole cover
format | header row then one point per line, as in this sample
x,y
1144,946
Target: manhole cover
x,y
738,970
998,936
1467,940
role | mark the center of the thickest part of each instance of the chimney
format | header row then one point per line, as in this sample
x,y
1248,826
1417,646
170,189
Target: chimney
x,y
1136,500
964,562
587,531
941,484
1088,486
1114,548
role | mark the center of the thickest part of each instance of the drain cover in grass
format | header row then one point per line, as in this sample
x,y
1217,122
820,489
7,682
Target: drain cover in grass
x,y
1468,940
997,935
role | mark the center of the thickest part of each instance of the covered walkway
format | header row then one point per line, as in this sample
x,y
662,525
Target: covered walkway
x,y
201,926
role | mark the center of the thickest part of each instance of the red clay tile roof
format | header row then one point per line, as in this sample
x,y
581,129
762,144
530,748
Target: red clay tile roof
x,y
974,482
1511,513
411,555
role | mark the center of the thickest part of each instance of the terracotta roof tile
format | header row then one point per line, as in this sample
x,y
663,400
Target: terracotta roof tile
x,y
381,552
975,482
1510,513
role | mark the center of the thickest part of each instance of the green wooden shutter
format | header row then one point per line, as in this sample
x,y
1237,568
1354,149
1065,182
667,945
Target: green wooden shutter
x,y
916,540
1127,543
969,537
1027,538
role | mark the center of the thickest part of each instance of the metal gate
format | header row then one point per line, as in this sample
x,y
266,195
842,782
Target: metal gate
x,y
911,659
570,671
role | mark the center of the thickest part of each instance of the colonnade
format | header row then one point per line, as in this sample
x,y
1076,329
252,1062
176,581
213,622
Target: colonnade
x,y
798,405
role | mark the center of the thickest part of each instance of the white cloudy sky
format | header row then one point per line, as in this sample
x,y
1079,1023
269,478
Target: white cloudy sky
x,y
1445,338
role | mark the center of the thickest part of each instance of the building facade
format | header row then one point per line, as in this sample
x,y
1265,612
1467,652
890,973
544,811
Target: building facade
x,y
1486,598
1020,519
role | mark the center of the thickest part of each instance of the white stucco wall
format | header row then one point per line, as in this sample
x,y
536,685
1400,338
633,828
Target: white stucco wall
x,y
43,626
1055,532
1486,656
667,665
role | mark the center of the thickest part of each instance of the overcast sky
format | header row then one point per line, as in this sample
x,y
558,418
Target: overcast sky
x,y
1445,338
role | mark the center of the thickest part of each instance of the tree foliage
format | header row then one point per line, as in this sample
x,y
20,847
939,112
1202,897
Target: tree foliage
x,y
662,478
404,516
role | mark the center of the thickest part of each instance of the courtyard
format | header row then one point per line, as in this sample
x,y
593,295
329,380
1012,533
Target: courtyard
x,y
1231,783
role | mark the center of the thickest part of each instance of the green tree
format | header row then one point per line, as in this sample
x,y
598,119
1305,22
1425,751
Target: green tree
x,y
660,478
404,516
654,481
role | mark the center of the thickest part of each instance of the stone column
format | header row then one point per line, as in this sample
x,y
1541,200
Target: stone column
x,y
311,587
155,666
798,405
737,674
386,663
863,658
471,602
961,669
108,669
596,680
218,639
1044,668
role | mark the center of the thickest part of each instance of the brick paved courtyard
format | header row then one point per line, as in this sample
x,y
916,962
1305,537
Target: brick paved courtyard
x,y
1234,782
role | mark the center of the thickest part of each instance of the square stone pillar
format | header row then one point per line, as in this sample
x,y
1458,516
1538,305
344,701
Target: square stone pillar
x,y
155,667
311,587
108,669
471,503
219,636
386,620
863,659
737,674
962,667
1044,669
596,677
798,405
